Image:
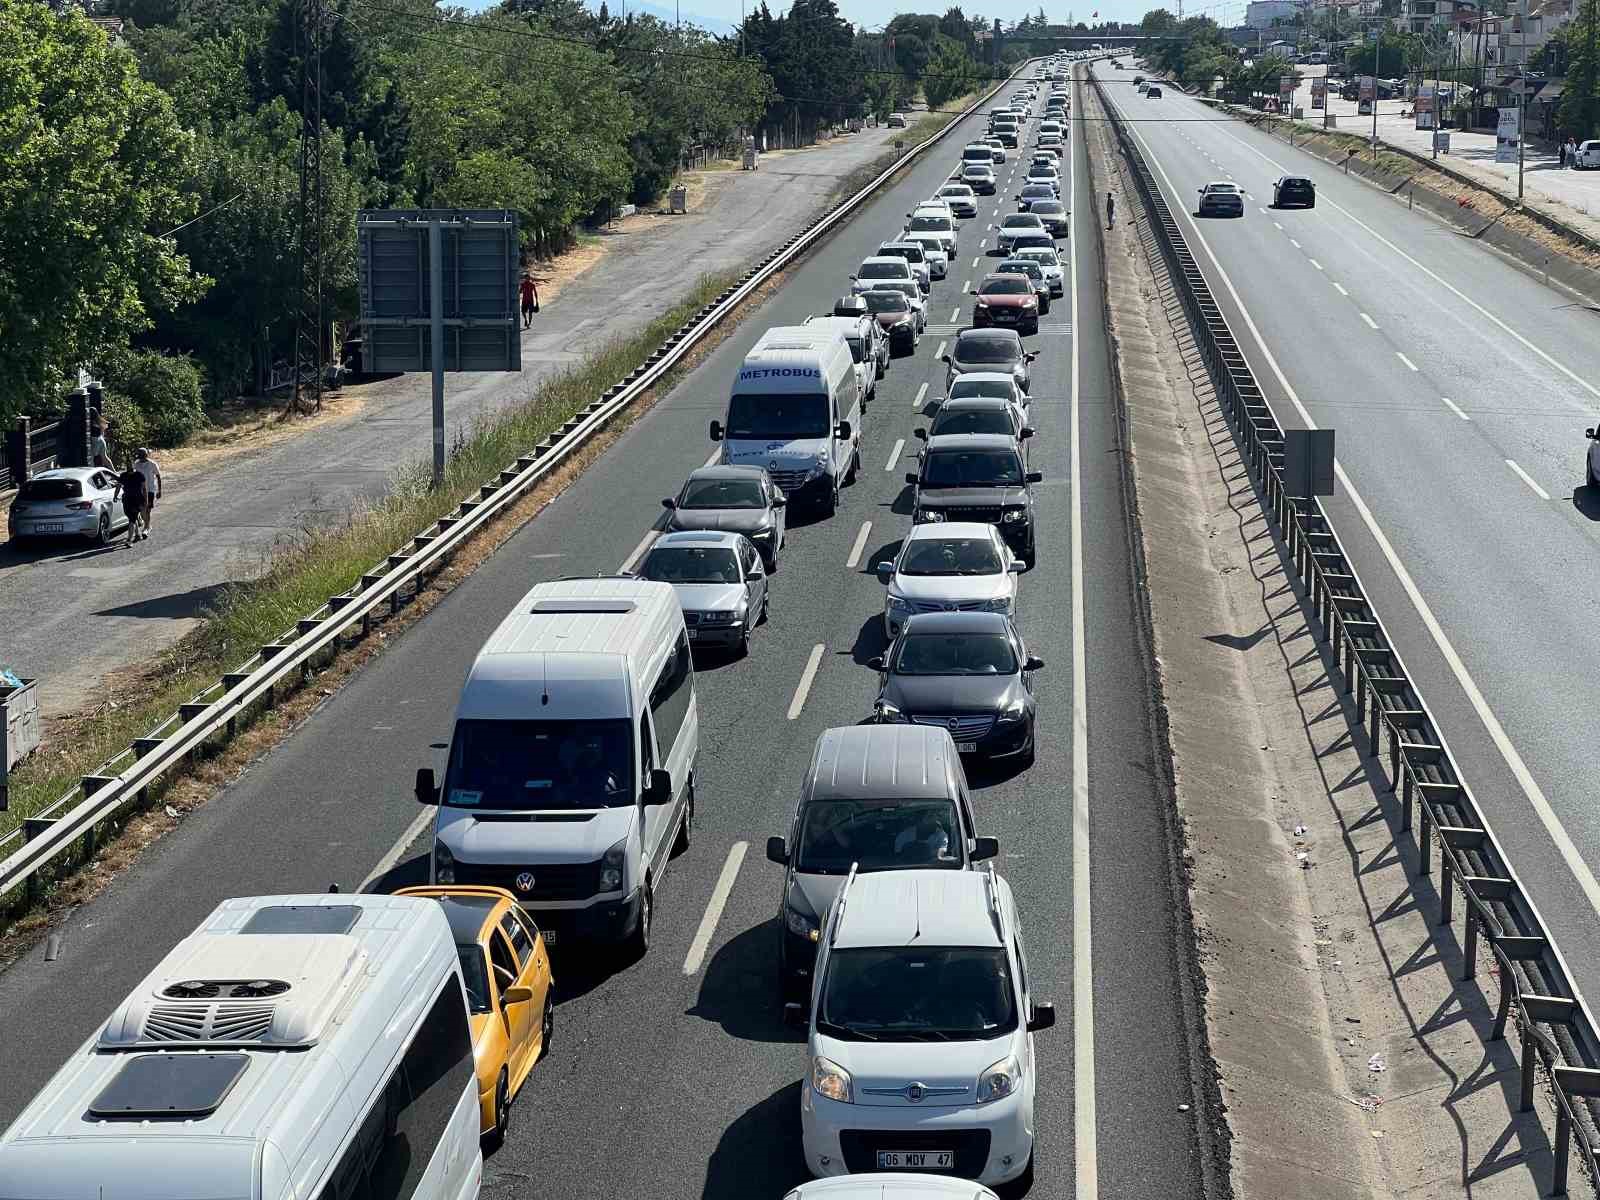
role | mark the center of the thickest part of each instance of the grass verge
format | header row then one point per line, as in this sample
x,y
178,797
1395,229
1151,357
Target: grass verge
x,y
303,572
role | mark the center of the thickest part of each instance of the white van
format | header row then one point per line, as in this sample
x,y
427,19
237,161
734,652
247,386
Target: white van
x,y
571,773
857,333
978,152
291,1048
796,411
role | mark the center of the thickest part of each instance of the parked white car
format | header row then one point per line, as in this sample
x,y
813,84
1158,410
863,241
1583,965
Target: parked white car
x,y
68,502
955,566
1588,155
920,1051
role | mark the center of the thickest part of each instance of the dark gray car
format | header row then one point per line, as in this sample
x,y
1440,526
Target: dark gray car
x,y
741,499
966,671
978,477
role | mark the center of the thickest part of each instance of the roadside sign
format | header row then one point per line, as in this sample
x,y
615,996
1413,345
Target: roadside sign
x,y
1507,135
1441,140
1308,462
1423,107
1319,92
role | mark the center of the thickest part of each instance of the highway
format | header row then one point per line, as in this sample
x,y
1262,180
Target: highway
x,y
1460,388
676,1077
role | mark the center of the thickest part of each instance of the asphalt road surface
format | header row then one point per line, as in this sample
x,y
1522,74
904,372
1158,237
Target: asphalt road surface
x,y
676,1077
1460,388
72,613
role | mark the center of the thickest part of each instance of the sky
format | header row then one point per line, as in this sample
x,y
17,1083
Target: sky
x,y
874,13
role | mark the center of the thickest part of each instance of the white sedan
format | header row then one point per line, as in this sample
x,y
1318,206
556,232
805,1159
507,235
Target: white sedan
x,y
68,502
955,566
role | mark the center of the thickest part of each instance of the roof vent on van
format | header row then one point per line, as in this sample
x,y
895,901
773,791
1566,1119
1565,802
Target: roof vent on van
x,y
177,1086
275,990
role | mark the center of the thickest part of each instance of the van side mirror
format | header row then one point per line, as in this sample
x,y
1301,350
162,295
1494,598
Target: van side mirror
x,y
1027,432
659,790
427,791
1034,477
1015,566
920,434
944,358
885,572
985,847
1034,663
716,431
842,431
780,502
911,478
1043,1016
669,502
1589,433
778,851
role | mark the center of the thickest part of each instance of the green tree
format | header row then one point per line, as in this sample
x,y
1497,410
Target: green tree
x,y
951,73
1158,21
91,175
1580,103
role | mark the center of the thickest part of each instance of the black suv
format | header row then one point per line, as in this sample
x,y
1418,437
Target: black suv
x,y
1294,191
977,477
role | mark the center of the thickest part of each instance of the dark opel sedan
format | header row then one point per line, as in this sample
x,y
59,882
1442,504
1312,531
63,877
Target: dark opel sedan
x,y
1294,191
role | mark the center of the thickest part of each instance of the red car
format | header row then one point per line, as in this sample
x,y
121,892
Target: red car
x,y
1008,301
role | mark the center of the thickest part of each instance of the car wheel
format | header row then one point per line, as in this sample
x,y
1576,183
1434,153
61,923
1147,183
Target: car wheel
x,y
496,1137
1044,306
102,533
638,944
1588,477
830,503
742,650
766,607
547,1022
1034,328
686,826
1030,557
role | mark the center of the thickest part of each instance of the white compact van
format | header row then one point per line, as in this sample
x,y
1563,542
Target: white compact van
x,y
858,336
570,780
796,412
290,1048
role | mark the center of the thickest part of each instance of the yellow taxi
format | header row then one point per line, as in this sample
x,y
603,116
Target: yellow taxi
x,y
510,993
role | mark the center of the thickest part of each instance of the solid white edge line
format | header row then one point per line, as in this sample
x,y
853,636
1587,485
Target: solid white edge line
x,y
387,862
1557,831
894,455
1084,1145
1369,321
921,392
1340,287
1528,479
1455,408
803,689
858,545
1405,360
638,551
713,913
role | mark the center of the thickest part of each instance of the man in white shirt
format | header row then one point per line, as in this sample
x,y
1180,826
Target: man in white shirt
x,y
147,467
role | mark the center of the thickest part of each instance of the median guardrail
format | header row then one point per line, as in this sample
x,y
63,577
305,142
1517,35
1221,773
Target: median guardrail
x,y
1556,1026
66,832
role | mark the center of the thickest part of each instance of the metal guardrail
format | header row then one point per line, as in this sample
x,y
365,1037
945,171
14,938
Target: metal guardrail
x,y
68,828
1554,1021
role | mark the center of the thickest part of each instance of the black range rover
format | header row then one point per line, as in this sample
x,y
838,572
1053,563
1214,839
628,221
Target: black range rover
x,y
977,477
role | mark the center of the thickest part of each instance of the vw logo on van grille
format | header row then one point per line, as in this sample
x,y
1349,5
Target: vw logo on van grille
x,y
524,881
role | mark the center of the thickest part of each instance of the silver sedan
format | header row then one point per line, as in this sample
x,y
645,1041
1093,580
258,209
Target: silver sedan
x,y
68,502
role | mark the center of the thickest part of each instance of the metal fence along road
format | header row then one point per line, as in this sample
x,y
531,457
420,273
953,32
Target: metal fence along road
x,y
1436,804
65,834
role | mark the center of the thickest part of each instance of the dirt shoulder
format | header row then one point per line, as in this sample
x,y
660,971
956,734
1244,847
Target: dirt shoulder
x,y
1350,1062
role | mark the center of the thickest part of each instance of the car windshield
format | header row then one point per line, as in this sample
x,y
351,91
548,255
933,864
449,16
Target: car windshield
x,y
882,302
988,350
1007,285
971,468
979,172
475,974
883,270
1051,207
691,564
1221,187
950,556
929,224
955,654
956,192
540,765
1020,221
50,489
972,420
900,993
722,493
778,418
877,835
905,287
1033,241
1041,190
1030,269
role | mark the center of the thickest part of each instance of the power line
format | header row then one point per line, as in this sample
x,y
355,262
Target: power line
x,y
215,208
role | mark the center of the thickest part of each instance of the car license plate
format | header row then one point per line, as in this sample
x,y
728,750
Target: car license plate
x,y
49,527
916,1160
966,747
551,937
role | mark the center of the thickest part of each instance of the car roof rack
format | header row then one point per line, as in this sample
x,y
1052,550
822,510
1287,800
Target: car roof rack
x,y
844,899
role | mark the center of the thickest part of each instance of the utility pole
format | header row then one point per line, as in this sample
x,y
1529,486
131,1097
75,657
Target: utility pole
x,y
308,248
1377,59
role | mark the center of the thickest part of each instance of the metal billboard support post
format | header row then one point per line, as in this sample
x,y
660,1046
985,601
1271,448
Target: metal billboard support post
x,y
436,342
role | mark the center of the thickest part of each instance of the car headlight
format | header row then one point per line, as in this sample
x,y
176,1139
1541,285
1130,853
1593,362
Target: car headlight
x,y
1014,711
886,713
611,864
927,516
1013,515
898,603
721,616
829,1079
996,1082
982,303
759,535
801,924
1030,302
1000,604
444,864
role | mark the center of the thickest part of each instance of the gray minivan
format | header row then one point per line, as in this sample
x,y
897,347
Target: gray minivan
x,y
880,798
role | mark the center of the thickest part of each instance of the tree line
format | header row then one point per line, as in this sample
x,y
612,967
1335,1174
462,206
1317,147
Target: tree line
x,y
149,190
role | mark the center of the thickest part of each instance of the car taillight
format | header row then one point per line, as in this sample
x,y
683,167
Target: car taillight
x,y
81,505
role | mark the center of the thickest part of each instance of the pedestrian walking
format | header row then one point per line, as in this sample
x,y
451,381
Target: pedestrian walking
x,y
132,488
151,470
99,447
530,299
1111,210
1571,153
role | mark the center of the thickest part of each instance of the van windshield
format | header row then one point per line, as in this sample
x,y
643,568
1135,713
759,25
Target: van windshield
x,y
878,835
540,764
929,224
778,418
906,994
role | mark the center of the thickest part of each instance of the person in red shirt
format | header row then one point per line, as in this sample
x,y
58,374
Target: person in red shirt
x,y
530,300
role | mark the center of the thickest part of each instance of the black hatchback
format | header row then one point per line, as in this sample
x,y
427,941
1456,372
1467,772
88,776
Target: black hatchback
x,y
1294,191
